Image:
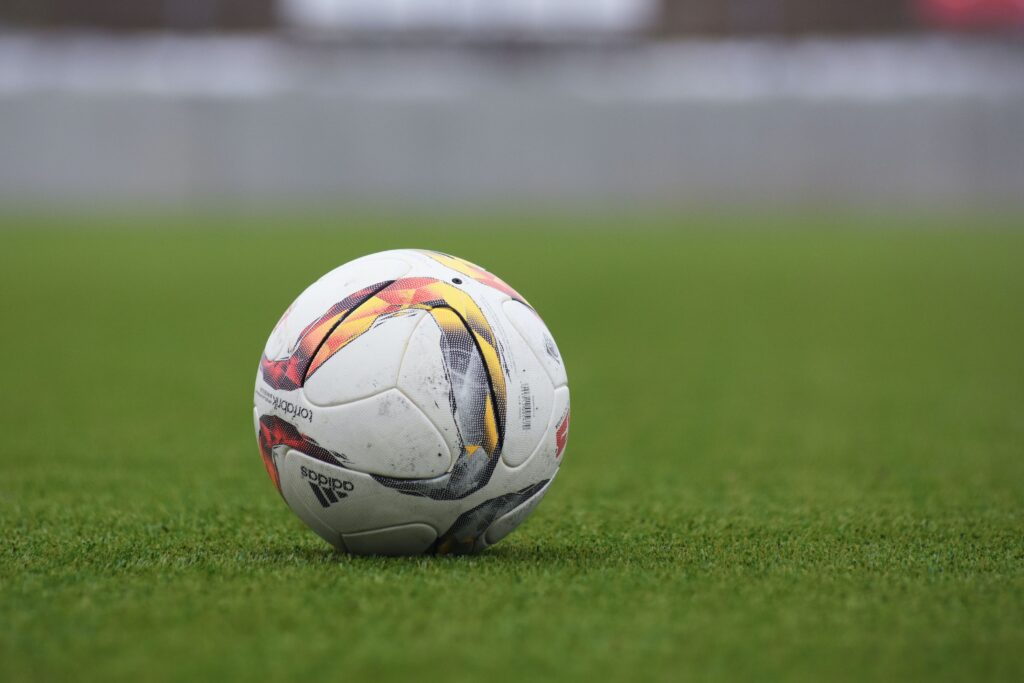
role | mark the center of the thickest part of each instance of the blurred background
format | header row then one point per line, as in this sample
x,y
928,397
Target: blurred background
x,y
455,103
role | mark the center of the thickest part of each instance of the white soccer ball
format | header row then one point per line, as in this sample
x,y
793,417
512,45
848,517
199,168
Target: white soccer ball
x,y
411,402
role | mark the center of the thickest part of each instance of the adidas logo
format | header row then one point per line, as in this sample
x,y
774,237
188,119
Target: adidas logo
x,y
328,490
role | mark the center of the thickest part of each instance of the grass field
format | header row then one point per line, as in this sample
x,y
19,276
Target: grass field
x,y
797,452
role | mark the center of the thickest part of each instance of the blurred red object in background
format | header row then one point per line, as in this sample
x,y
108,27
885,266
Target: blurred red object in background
x,y
971,14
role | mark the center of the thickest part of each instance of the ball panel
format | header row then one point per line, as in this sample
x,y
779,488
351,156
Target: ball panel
x,y
405,539
535,332
296,491
384,434
546,458
359,502
466,534
423,378
507,523
366,366
530,397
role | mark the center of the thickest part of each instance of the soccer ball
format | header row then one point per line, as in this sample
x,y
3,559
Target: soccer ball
x,y
411,402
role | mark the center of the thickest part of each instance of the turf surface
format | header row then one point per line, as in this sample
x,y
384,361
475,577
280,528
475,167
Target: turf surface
x,y
797,452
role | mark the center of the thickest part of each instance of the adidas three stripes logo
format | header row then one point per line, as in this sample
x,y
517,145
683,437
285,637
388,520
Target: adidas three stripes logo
x,y
326,495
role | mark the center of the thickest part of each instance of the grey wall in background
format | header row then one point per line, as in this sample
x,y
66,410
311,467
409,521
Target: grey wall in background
x,y
259,120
